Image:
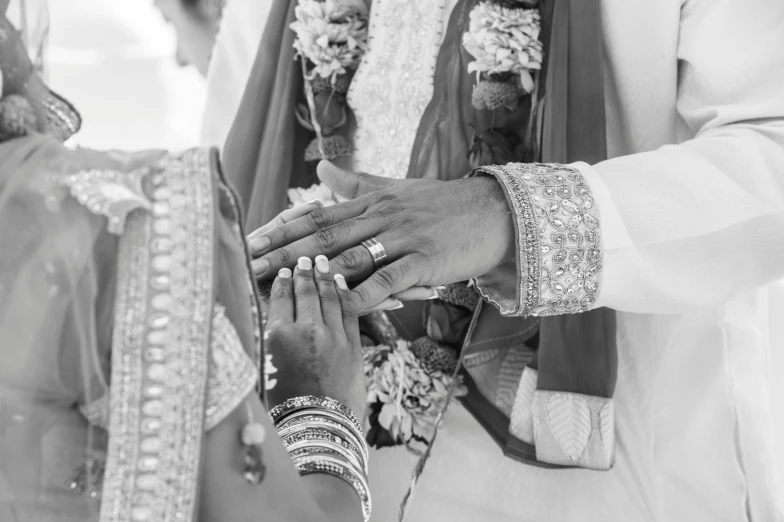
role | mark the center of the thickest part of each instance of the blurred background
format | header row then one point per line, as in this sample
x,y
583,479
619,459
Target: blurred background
x,y
114,60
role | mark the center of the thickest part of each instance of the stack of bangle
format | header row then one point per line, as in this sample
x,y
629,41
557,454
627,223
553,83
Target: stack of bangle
x,y
324,436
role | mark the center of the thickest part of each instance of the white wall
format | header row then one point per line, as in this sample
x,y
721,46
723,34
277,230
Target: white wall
x,y
114,60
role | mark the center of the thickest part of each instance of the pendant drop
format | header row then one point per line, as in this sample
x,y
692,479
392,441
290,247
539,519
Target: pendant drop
x,y
253,435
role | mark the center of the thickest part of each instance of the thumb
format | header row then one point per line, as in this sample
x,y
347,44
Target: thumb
x,y
350,184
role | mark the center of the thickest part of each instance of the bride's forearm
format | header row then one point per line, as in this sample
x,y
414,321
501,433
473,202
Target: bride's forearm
x,y
282,495
334,496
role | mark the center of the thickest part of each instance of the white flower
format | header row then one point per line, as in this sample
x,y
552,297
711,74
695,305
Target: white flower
x,y
269,369
331,34
320,191
504,41
412,399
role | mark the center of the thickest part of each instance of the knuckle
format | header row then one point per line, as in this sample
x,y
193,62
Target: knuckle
x,y
387,277
360,297
350,260
280,291
320,218
327,238
282,257
304,290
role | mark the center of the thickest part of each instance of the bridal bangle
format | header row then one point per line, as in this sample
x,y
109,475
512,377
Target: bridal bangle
x,y
324,436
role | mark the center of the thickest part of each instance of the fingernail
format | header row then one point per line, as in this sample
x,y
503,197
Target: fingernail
x,y
284,273
341,282
259,244
398,306
440,287
322,264
435,294
316,202
261,266
305,263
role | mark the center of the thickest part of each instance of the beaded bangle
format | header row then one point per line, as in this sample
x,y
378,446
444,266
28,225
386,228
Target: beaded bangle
x,y
309,447
325,420
310,434
330,465
279,412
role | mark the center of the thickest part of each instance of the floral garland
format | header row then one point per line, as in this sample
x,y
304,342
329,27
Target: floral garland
x,y
408,382
503,38
331,40
404,396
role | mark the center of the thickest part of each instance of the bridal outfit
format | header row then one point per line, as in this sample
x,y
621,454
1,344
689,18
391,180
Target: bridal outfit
x,y
128,319
691,210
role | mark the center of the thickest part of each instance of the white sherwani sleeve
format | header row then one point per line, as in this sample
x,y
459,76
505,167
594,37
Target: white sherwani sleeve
x,y
690,225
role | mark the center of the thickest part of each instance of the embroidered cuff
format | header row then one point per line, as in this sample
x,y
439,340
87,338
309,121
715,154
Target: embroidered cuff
x,y
560,253
574,430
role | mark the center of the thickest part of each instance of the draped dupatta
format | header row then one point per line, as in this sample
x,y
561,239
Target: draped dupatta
x,y
265,151
562,121
574,354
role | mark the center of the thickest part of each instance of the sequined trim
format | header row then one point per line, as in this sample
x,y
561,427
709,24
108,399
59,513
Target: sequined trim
x,y
62,119
258,355
558,237
159,349
232,376
574,430
109,193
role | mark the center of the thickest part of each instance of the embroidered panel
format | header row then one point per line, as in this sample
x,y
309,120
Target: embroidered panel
x,y
159,356
394,82
574,430
559,238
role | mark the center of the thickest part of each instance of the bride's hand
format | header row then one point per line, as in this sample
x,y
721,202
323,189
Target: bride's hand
x,y
313,335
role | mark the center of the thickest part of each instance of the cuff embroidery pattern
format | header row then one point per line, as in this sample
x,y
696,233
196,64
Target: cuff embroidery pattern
x,y
559,238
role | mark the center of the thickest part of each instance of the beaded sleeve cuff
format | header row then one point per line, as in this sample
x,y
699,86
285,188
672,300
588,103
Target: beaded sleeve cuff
x,y
558,235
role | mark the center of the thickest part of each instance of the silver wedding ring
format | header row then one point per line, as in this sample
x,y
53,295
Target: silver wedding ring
x,y
376,250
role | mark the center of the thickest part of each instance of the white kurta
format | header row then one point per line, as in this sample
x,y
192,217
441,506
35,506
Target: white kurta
x,y
689,230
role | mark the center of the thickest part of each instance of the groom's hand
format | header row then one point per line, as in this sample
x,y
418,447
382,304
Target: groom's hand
x,y
434,233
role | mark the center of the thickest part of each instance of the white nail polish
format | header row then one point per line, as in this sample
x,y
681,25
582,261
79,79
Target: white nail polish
x,y
341,282
322,264
284,273
398,306
305,263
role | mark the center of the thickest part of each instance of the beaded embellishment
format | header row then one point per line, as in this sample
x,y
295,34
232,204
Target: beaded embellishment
x,y
160,347
110,193
559,238
232,376
387,95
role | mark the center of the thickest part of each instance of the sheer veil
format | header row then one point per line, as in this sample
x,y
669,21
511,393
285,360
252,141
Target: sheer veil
x,y
54,323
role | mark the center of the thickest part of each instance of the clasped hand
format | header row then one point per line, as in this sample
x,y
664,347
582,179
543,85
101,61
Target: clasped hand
x,y
434,233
